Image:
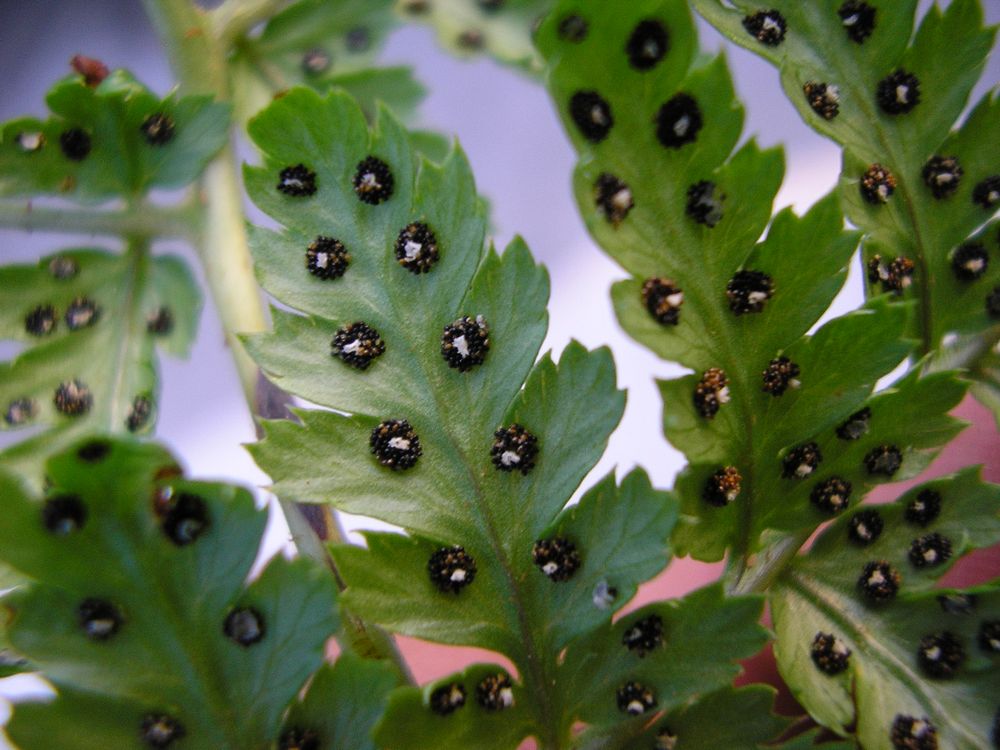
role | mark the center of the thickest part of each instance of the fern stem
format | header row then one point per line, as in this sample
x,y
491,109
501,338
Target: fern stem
x,y
755,575
148,221
198,58
235,18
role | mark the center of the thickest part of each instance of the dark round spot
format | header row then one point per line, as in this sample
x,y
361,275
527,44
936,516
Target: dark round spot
x,y
748,291
894,276
557,557
898,92
447,699
958,604
158,129
75,144
831,496
969,261
94,451
613,198
865,527
395,444
41,321
297,181
64,514
514,449
327,258
711,392
495,693
780,375
909,733
573,28
722,487
82,313
930,550
678,122
358,39
644,635
99,619
244,626
357,344
19,411
315,62
592,115
634,698
858,19
663,299
63,268
451,569
823,99
73,398
801,461
856,425
987,192
993,303
184,518
417,248
924,508
471,40
465,342
943,175
940,655
879,581
704,205
160,730
139,414
989,636
884,460
373,181
766,26
877,185
830,654
647,45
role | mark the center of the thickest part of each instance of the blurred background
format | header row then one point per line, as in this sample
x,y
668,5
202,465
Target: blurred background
x,y
522,163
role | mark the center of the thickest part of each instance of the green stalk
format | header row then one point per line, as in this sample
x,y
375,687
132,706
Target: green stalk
x,y
198,56
174,222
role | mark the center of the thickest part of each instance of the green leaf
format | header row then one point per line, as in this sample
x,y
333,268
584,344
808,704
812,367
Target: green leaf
x,y
749,722
502,29
119,161
883,679
113,356
704,634
947,55
162,562
344,703
323,45
664,242
452,493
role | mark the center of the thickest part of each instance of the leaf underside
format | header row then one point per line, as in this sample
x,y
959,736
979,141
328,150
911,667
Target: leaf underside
x,y
665,232
453,492
90,321
135,574
502,29
138,304
323,45
946,53
884,677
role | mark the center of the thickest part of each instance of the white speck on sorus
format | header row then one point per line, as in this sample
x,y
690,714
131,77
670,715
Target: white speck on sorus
x,y
832,495
722,487
865,527
297,181
663,299
883,460
327,258
160,730
877,184
81,313
879,581
767,26
823,98
19,411
395,444
644,635
647,45
373,181
30,141
465,342
711,392
943,175
495,692
634,698
829,653
909,733
703,204
613,198
592,115
514,449
451,569
801,461
73,398
678,121
858,19
748,291
780,375
557,557
417,248
929,550
447,699
357,344
940,655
